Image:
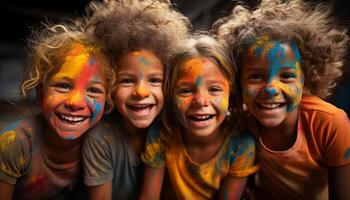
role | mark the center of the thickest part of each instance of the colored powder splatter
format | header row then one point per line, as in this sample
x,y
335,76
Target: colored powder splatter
x,y
275,56
199,81
96,109
6,139
144,61
10,127
347,154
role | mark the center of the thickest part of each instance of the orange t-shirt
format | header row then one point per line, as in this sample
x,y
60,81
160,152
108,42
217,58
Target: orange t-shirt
x,y
301,172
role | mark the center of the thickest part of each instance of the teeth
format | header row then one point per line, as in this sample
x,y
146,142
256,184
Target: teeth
x,y
140,106
72,119
270,105
201,117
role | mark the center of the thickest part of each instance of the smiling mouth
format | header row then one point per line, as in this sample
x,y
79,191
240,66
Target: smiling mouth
x,y
71,119
141,110
271,106
201,117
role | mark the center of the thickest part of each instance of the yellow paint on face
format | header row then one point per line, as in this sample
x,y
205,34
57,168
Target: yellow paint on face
x,y
142,91
74,64
6,139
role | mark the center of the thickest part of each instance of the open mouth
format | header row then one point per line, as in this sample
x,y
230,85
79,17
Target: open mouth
x,y
201,117
141,109
271,106
71,119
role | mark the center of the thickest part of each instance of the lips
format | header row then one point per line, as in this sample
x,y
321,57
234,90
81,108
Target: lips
x,y
200,120
140,110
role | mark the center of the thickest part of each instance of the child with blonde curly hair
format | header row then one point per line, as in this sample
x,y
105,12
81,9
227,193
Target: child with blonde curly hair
x,y
290,55
199,144
40,156
139,37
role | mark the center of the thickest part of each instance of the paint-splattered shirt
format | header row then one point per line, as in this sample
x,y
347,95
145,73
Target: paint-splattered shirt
x,y
300,172
190,180
107,157
23,162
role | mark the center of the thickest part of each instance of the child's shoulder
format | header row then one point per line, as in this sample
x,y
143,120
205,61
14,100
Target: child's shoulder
x,y
24,129
244,137
312,104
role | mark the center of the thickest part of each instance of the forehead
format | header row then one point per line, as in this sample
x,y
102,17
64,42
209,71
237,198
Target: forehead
x,y
199,66
140,59
266,53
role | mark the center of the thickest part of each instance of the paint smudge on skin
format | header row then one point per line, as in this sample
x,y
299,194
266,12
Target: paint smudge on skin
x,y
96,109
347,154
144,61
199,81
6,139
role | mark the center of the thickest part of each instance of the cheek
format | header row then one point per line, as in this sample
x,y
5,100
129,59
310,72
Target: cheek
x,y
182,104
250,92
221,103
293,92
96,107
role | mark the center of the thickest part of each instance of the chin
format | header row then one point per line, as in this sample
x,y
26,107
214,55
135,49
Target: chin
x,y
270,123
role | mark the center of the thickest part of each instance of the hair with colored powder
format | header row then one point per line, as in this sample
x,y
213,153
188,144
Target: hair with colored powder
x,y
128,25
322,43
203,45
49,47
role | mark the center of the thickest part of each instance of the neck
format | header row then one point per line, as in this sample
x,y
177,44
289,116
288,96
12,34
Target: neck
x,y
136,137
283,136
58,148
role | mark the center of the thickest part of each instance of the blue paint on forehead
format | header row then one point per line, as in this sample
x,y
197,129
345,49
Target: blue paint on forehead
x,y
275,56
258,51
199,81
296,50
144,61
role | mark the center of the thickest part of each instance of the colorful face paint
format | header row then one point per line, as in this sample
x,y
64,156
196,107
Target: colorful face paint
x,y
74,97
272,78
139,96
202,96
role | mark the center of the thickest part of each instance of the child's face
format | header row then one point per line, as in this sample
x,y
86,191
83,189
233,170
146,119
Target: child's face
x,y
202,96
272,81
74,98
139,96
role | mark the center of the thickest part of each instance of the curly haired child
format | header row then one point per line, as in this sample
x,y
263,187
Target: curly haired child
x,y
291,54
40,155
139,37
200,147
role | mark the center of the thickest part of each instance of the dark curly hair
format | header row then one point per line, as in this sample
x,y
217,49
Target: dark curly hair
x,y
323,43
128,25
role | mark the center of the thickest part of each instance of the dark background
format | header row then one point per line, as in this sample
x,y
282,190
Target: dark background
x,y
18,17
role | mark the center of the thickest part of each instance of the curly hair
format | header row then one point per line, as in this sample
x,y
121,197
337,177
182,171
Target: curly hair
x,y
48,48
323,43
128,25
203,45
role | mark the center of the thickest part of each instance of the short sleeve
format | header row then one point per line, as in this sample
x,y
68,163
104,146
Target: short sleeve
x,y
97,158
154,154
335,137
14,155
242,155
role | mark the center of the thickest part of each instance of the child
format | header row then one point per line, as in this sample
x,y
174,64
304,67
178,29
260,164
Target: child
x,y
204,156
291,54
140,37
39,156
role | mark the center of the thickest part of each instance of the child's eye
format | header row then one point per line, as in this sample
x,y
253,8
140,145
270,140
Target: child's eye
x,y
156,81
215,89
62,87
94,90
126,81
288,75
185,91
255,77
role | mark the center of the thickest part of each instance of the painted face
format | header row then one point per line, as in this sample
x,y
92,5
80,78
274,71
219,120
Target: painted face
x,y
202,96
74,98
272,81
139,96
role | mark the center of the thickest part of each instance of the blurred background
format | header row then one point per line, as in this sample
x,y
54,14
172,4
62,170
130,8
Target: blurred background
x,y
19,17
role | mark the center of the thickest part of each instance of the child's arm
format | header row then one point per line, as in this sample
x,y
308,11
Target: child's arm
x,y
339,182
102,192
6,190
232,188
152,183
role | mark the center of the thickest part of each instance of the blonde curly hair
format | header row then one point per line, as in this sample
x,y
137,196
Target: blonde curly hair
x,y
48,48
127,25
322,43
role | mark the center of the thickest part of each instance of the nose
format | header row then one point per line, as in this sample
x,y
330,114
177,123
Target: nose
x,y
271,90
141,91
200,99
76,100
